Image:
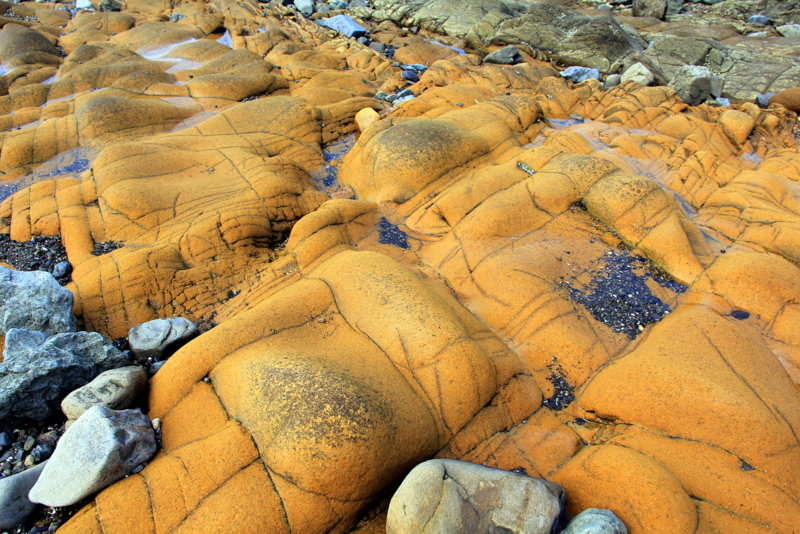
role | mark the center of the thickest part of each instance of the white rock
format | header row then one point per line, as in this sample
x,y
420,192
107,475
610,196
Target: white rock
x,y
789,30
101,447
440,496
83,4
638,73
595,521
116,389
15,507
161,337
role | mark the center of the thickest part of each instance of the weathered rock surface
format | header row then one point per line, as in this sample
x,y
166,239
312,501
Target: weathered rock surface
x,y
15,507
595,521
161,337
38,371
534,274
453,496
116,389
101,447
34,301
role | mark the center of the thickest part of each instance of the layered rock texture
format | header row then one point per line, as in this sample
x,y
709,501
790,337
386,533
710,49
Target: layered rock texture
x,y
598,287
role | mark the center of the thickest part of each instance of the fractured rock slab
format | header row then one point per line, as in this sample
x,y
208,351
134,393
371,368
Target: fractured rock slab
x,y
101,447
34,301
39,371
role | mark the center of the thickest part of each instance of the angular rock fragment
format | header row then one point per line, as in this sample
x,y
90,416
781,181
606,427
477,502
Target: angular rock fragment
x,y
505,56
34,301
344,25
452,496
580,74
39,371
115,389
161,337
650,8
696,84
637,73
101,447
15,506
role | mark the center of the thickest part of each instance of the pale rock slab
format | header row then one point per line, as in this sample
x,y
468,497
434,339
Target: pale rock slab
x,y
101,447
161,337
116,389
450,496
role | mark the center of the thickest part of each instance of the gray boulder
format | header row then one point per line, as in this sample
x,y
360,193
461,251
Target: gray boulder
x,y
505,56
613,80
15,507
39,371
116,389
596,521
674,7
161,337
637,73
694,84
565,35
789,30
453,496
650,8
344,25
306,7
109,5
758,19
34,301
101,447
580,74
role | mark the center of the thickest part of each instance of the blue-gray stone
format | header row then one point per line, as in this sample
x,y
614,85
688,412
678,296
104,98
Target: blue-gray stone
x,y
410,76
758,19
34,301
580,74
61,269
38,371
6,439
404,93
763,100
505,56
175,17
15,507
416,67
160,338
344,25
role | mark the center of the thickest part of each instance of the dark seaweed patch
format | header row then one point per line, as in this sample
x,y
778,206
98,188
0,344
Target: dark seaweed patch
x,y
740,314
390,234
618,296
105,247
563,394
745,466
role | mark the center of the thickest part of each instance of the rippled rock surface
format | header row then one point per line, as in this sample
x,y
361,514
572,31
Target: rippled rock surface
x,y
598,287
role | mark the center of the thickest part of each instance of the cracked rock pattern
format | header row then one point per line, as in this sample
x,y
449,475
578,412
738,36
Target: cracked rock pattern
x,y
597,287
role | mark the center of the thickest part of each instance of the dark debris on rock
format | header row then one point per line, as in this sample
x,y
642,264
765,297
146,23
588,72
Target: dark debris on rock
x,y
105,247
618,296
42,253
